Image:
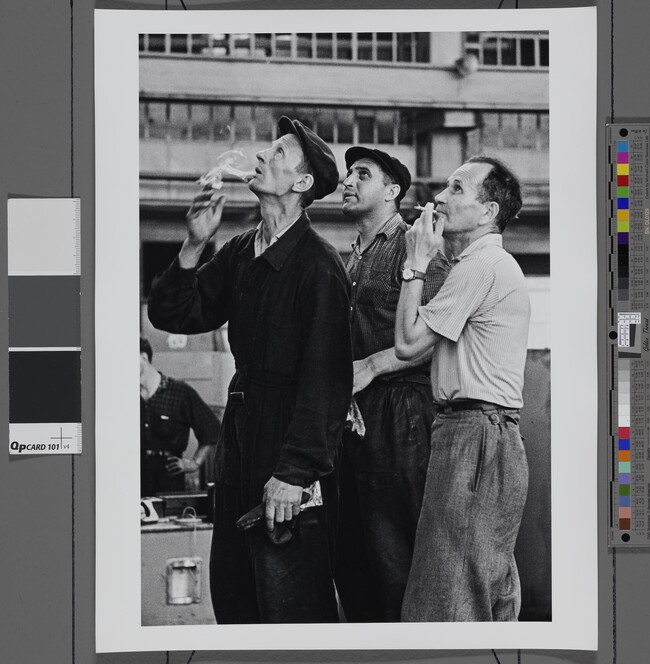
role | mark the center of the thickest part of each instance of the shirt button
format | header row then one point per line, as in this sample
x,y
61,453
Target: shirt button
x,y
351,308
354,283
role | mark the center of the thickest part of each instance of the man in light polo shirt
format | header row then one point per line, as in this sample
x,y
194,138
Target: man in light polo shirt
x,y
463,565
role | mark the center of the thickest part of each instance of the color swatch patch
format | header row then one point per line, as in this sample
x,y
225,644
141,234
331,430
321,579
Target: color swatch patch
x,y
44,326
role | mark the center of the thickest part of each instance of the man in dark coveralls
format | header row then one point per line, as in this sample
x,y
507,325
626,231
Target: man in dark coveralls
x,y
283,291
383,475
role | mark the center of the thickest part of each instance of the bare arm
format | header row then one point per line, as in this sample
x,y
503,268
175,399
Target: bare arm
x,y
380,363
413,337
203,219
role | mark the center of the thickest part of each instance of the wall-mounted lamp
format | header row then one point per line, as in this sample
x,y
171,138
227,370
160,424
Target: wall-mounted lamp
x,y
466,65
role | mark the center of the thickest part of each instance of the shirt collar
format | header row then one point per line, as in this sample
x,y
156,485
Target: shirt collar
x,y
164,382
389,229
488,240
260,244
277,252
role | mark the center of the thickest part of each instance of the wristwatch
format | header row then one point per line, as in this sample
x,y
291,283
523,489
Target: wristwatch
x,y
408,274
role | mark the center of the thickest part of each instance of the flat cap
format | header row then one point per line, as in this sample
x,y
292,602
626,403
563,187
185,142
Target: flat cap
x,y
318,154
392,166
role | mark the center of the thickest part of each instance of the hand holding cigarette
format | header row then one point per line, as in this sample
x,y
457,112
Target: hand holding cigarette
x,y
424,239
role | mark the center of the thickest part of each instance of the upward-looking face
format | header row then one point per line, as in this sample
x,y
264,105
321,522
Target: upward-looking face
x,y
460,203
277,167
365,188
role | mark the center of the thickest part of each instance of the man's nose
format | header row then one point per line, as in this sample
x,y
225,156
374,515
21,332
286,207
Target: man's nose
x,y
440,197
348,180
261,155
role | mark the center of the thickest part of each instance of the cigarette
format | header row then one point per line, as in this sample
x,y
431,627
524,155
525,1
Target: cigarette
x,y
428,207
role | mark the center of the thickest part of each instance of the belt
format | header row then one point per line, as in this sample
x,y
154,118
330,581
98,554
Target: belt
x,y
468,404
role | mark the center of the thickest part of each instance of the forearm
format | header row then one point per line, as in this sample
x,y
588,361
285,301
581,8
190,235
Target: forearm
x,y
386,361
190,254
201,454
413,338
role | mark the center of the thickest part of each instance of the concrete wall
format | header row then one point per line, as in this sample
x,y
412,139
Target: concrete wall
x,y
383,84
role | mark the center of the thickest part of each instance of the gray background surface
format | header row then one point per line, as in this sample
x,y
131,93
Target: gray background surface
x,y
47,543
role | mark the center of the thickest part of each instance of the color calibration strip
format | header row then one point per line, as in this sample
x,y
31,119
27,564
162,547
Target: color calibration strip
x,y
44,259
629,357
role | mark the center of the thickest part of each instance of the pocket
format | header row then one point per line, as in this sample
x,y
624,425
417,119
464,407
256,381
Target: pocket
x,y
480,461
380,290
281,349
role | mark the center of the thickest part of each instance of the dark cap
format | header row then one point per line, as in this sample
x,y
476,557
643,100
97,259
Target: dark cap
x,y
318,154
393,167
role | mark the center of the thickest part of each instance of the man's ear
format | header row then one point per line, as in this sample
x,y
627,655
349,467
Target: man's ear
x,y
303,183
392,192
490,213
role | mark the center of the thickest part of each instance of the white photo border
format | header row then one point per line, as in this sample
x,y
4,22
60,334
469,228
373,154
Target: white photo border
x,y
573,334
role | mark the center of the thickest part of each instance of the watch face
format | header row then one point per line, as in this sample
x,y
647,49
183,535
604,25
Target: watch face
x,y
407,274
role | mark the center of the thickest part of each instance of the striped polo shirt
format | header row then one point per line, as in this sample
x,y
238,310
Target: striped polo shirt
x,y
482,313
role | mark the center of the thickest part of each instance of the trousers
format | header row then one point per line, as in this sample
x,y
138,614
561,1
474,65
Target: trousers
x,y
382,480
463,562
253,580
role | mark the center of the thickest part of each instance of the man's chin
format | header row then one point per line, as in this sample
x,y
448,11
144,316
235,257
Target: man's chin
x,y
348,209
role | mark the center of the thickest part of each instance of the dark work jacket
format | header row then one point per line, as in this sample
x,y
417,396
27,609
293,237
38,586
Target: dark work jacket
x,y
287,314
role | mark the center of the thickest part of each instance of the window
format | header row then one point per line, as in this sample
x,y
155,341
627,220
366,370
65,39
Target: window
x,y
178,43
528,131
326,124
263,123
508,49
365,126
222,122
385,127
344,46
283,45
241,44
324,46
201,121
384,46
397,47
345,125
263,43
404,46
156,43
156,113
199,43
364,46
304,45
422,47
179,125
241,122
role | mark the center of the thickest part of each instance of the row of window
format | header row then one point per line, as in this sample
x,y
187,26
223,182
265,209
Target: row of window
x,y
507,49
493,49
232,123
514,130
364,46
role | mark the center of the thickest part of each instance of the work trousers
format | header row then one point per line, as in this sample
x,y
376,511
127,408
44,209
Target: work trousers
x,y
382,480
463,564
253,580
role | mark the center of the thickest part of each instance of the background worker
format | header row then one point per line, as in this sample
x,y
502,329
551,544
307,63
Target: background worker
x,y
169,408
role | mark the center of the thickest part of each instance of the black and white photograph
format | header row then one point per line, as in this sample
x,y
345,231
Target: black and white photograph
x,y
347,260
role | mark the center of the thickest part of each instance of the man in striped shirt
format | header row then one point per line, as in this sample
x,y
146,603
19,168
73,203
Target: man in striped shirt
x,y
382,477
477,325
